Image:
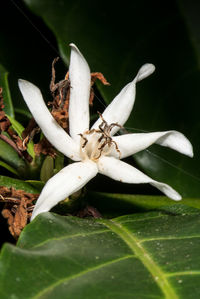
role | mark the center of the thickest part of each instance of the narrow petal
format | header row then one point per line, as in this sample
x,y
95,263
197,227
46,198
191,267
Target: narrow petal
x,y
123,172
80,80
130,144
120,108
51,129
69,180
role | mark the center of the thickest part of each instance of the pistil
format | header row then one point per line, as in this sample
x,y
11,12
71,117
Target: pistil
x,y
95,143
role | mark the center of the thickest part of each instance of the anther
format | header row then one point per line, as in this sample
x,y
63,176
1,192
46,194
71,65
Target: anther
x,y
85,140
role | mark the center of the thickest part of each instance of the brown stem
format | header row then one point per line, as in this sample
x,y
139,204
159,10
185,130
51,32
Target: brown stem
x,y
31,126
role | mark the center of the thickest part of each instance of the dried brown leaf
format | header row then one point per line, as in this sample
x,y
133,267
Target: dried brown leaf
x,y
94,77
31,129
60,104
44,147
61,116
17,209
100,77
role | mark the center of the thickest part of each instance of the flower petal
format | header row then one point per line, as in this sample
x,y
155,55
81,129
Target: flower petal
x,y
130,144
69,180
80,80
126,173
120,108
51,129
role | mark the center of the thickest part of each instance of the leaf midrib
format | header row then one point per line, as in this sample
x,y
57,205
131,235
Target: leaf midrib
x,y
141,253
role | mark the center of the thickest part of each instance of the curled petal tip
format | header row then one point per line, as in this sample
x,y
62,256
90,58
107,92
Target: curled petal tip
x,y
28,89
190,152
74,47
75,50
145,71
177,198
22,81
167,190
174,195
186,147
182,144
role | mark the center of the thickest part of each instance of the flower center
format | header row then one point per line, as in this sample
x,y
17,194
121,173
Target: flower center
x,y
97,142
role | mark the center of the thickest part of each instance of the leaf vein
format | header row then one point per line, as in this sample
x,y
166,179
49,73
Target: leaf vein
x,y
191,272
140,219
65,237
81,274
142,254
168,238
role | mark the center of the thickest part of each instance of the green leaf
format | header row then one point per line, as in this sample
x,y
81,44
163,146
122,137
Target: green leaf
x,y
6,92
36,184
19,129
10,156
148,255
155,163
59,162
16,125
8,167
118,46
17,184
47,169
113,205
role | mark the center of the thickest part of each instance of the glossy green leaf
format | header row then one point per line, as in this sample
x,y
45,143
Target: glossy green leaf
x,y
156,164
6,92
16,125
148,255
117,39
113,205
19,129
8,167
10,156
36,184
17,184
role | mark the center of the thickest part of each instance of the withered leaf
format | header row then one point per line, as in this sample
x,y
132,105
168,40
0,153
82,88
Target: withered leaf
x,y
17,208
44,147
100,77
94,77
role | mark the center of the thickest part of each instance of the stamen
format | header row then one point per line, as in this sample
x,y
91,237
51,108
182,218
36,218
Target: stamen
x,y
96,146
85,140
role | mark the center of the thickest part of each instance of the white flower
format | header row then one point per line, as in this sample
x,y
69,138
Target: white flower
x,y
95,150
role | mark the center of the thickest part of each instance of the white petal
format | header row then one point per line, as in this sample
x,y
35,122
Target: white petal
x,y
120,108
49,126
130,144
69,180
145,71
80,80
126,173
